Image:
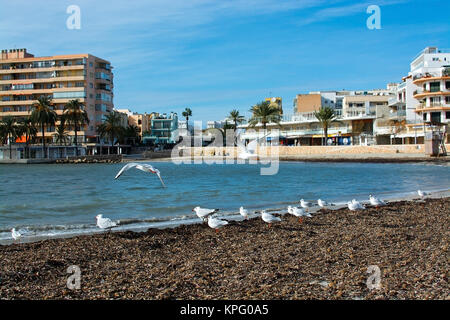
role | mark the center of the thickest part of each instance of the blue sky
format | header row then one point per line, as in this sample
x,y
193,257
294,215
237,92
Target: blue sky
x,y
214,56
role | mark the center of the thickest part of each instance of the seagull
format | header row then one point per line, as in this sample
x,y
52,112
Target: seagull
x,y
299,213
141,166
267,217
243,212
105,223
305,204
355,205
216,223
249,151
323,203
16,235
203,213
422,194
376,202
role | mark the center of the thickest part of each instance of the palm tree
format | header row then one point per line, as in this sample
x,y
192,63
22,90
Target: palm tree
x,y
187,113
11,130
264,113
28,129
325,116
61,133
76,116
131,132
236,118
111,127
43,114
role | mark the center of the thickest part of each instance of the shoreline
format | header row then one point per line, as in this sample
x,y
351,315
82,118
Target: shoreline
x,y
133,225
326,257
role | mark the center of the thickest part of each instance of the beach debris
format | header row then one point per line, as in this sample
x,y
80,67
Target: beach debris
x,y
268,218
243,212
105,223
376,201
216,223
16,235
305,204
140,166
203,213
355,205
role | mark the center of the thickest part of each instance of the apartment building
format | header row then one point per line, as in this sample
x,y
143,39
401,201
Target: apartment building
x,y
142,121
24,77
163,129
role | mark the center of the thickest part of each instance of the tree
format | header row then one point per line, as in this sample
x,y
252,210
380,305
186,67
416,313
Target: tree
x,y
11,130
264,113
187,113
325,116
111,127
131,132
61,133
75,115
236,118
27,128
43,114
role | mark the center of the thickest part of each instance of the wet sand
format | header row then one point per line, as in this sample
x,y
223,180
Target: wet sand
x,y
325,257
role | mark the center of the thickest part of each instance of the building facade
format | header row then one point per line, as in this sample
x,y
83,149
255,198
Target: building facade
x,y
163,129
24,78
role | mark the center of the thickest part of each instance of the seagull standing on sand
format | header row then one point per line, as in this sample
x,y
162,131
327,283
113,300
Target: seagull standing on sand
x,y
355,205
323,203
305,204
105,223
376,202
203,213
299,213
268,218
216,223
422,194
243,212
141,166
16,235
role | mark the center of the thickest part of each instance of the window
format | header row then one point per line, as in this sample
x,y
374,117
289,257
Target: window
x,y
447,115
91,85
447,85
70,94
435,117
424,117
435,86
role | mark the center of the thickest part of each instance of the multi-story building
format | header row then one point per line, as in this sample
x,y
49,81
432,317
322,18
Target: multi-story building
x,y
163,129
423,95
142,121
24,77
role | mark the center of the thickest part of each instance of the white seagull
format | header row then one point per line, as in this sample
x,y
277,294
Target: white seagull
x,y
249,151
105,223
243,212
298,212
305,204
141,166
376,201
323,203
216,223
16,235
268,218
422,194
355,205
203,213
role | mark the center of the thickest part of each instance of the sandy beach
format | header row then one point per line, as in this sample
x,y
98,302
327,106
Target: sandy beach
x,y
326,257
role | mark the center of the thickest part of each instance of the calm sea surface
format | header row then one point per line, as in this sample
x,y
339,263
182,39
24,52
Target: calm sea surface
x,y
53,199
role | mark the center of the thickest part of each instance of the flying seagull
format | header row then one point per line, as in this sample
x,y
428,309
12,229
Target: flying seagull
x,y
141,166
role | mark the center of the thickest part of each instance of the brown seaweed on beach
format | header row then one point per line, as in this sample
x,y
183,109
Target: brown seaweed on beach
x,y
325,257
